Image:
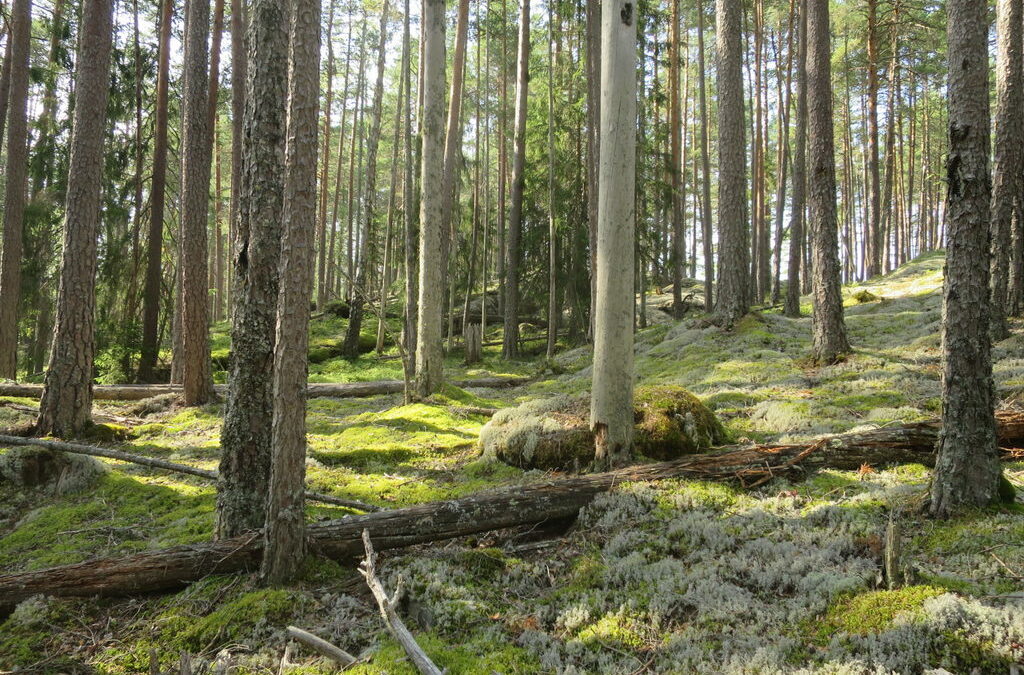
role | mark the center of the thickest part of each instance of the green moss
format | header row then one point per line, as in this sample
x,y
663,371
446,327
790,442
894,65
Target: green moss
x,y
963,654
870,612
483,563
863,296
236,619
107,433
617,629
672,421
1007,491
462,655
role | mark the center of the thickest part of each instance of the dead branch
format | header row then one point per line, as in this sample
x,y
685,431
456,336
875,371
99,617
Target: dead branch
x,y
320,646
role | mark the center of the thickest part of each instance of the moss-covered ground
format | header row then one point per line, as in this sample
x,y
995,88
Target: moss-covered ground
x,y
668,577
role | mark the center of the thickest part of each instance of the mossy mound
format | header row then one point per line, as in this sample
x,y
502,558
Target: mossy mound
x,y
63,473
865,296
554,433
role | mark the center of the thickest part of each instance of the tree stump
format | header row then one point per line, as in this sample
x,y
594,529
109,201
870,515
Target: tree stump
x,y
474,343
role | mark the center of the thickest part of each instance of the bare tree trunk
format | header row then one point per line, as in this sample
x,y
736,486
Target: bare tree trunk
x,y
14,195
239,78
195,187
678,253
355,318
321,276
967,468
453,132
1007,166
874,237
429,355
408,204
611,403
593,32
246,436
552,231
510,339
66,406
154,252
734,266
797,237
829,329
705,161
285,535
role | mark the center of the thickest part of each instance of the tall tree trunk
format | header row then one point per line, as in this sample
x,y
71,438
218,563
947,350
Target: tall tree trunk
x,y
453,131
510,339
705,162
239,78
154,246
829,328
552,232
5,79
593,32
967,467
429,355
14,195
195,188
362,288
285,535
678,254
321,275
246,436
874,236
796,223
734,267
66,405
1007,166
611,403
408,204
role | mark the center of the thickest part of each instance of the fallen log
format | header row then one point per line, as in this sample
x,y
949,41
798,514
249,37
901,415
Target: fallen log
x,y
137,392
155,463
492,510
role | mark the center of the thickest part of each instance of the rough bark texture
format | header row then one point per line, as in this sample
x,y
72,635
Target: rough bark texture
x,y
796,227
408,207
523,505
593,145
429,356
829,330
14,195
611,403
734,266
245,463
705,164
967,471
873,226
66,405
195,205
510,335
154,247
1006,169
285,534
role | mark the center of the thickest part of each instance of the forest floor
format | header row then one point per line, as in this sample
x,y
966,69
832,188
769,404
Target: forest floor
x,y
669,576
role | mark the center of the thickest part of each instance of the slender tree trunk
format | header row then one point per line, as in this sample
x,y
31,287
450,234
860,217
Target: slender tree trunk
x,y
510,340
874,236
705,161
195,187
14,195
285,537
239,78
611,403
829,329
408,204
1007,166
734,267
355,317
453,131
429,355
967,467
552,231
785,97
246,436
593,142
678,254
154,247
796,224
66,405
321,276
5,79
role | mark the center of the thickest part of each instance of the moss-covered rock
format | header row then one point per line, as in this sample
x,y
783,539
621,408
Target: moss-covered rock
x,y
554,433
36,467
865,296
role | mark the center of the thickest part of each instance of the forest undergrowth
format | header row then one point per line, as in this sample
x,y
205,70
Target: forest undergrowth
x,y
669,576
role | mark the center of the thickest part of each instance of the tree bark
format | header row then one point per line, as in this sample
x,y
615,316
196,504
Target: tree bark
x,y
611,402
195,187
246,436
829,329
285,534
429,356
66,405
967,471
1007,165
797,236
874,237
593,33
510,337
734,266
705,162
14,195
408,205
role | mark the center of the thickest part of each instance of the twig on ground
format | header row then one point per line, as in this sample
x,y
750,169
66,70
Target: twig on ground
x,y
321,646
387,610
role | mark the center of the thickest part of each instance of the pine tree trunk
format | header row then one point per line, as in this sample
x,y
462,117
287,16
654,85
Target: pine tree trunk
x,y
154,247
705,162
734,266
510,339
66,406
321,237
553,311
796,223
408,205
246,436
829,329
239,77
14,194
967,468
285,534
429,356
593,32
1007,165
611,403
874,237
678,253
195,187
